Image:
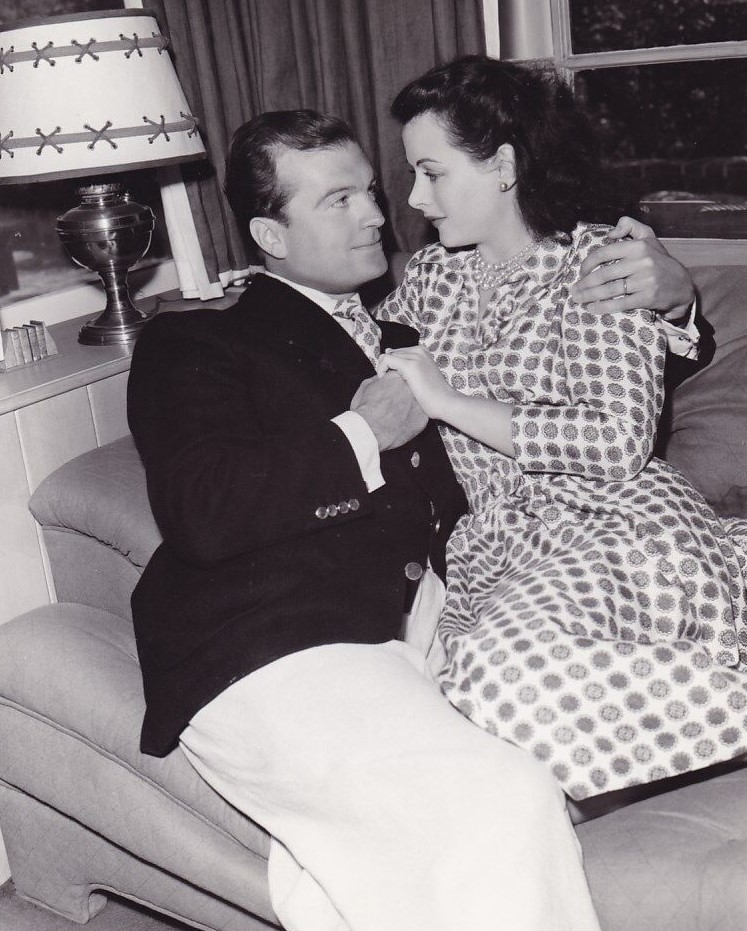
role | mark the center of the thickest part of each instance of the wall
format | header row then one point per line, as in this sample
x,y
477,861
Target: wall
x,y
35,440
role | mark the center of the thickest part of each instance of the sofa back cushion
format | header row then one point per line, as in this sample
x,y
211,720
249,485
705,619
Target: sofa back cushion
x,y
706,427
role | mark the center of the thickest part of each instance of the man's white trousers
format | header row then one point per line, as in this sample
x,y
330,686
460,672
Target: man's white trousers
x,y
390,811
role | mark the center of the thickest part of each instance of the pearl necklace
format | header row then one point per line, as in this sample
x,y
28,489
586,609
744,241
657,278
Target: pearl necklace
x,y
489,275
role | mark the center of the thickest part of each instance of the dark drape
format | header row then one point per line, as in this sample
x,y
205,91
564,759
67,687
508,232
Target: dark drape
x,y
236,58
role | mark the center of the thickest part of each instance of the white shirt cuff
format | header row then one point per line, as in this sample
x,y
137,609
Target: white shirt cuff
x,y
682,340
361,438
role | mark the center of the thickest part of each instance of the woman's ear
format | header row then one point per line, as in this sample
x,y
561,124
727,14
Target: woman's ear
x,y
269,236
505,166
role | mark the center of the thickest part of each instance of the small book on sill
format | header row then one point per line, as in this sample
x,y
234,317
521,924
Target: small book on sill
x,y
24,345
41,336
33,340
9,358
23,336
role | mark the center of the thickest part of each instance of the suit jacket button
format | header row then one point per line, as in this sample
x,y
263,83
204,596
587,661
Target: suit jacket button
x,y
333,510
354,504
343,507
321,512
415,459
413,571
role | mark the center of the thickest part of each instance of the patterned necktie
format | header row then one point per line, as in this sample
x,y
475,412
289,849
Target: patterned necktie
x,y
365,330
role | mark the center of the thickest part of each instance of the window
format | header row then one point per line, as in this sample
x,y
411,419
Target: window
x,y
665,82
32,259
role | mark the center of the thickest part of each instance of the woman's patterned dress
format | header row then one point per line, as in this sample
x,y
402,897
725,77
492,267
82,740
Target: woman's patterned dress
x,y
595,611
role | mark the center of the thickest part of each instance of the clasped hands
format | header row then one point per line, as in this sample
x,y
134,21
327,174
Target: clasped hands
x,y
397,402
409,388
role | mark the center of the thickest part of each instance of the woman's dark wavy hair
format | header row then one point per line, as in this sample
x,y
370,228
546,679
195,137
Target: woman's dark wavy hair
x,y
482,103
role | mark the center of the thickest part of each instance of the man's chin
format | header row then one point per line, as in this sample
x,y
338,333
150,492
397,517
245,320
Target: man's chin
x,y
371,263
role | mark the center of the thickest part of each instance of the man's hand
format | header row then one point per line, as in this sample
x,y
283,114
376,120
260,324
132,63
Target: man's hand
x,y
635,272
390,409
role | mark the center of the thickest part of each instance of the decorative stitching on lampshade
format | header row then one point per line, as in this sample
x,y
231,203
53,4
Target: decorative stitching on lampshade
x,y
43,54
79,50
4,147
57,138
85,50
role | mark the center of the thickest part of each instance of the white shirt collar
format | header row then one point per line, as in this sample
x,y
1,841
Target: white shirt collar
x,y
325,301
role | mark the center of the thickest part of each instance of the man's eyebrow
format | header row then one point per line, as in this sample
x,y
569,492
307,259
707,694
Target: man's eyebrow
x,y
344,189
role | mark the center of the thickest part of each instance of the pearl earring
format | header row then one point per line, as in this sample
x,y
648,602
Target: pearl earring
x,y
503,186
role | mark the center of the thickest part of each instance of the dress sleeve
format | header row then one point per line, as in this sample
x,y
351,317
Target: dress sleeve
x,y
611,367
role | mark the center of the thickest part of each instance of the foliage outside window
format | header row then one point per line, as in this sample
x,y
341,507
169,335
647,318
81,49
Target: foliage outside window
x,y
665,82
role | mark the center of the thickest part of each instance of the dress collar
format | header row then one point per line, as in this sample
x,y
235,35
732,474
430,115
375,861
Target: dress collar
x,y
541,268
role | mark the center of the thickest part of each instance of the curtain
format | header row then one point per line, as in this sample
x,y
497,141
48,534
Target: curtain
x,y
237,58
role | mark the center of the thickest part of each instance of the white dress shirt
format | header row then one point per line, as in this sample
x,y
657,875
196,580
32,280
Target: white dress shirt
x,y
682,340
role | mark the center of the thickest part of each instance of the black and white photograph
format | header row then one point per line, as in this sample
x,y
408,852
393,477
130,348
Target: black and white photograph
x,y
373,445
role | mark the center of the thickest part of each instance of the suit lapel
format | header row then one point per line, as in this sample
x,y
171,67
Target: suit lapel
x,y
285,316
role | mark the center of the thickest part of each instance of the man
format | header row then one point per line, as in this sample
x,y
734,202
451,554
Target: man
x,y
300,500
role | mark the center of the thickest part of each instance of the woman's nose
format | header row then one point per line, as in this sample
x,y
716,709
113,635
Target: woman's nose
x,y
415,200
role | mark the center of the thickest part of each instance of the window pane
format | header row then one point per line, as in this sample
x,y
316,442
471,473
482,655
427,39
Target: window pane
x,y
677,135
12,10
607,25
32,259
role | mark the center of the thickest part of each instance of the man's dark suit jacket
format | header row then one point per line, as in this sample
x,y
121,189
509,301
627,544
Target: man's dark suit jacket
x,y
231,412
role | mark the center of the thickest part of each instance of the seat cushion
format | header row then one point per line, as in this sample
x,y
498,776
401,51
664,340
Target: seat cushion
x,y
71,708
102,494
673,862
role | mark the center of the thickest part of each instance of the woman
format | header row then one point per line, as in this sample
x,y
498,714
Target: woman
x,y
595,611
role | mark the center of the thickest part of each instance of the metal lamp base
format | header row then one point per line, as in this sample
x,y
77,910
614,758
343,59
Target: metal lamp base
x,y
110,330
107,233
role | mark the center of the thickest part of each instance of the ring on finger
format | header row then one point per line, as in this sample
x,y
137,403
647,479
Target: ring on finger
x,y
625,287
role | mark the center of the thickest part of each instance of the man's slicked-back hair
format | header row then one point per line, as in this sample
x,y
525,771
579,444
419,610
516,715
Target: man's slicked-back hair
x,y
483,103
251,183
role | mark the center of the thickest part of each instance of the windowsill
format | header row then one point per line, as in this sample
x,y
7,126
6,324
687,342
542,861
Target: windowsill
x,y
76,365
692,252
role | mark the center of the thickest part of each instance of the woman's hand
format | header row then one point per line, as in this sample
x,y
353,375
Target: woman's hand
x,y
415,364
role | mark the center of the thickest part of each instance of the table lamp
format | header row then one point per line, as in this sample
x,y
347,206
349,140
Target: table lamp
x,y
84,96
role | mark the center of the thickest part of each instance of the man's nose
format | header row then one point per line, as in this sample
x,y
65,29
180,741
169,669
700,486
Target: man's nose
x,y
374,217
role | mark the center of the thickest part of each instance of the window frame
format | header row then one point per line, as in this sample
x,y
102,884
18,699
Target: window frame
x,y
687,250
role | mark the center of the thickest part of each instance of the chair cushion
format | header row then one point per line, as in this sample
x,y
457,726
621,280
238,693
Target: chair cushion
x,y
102,494
71,706
674,862
708,439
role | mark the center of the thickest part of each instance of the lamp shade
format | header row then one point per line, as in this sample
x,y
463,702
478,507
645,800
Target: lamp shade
x,y
89,94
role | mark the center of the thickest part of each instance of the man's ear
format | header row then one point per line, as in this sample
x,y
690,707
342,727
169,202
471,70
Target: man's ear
x,y
269,235
504,162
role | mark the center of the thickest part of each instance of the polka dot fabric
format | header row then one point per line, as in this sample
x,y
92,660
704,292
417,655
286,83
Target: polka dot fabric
x,y
595,611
